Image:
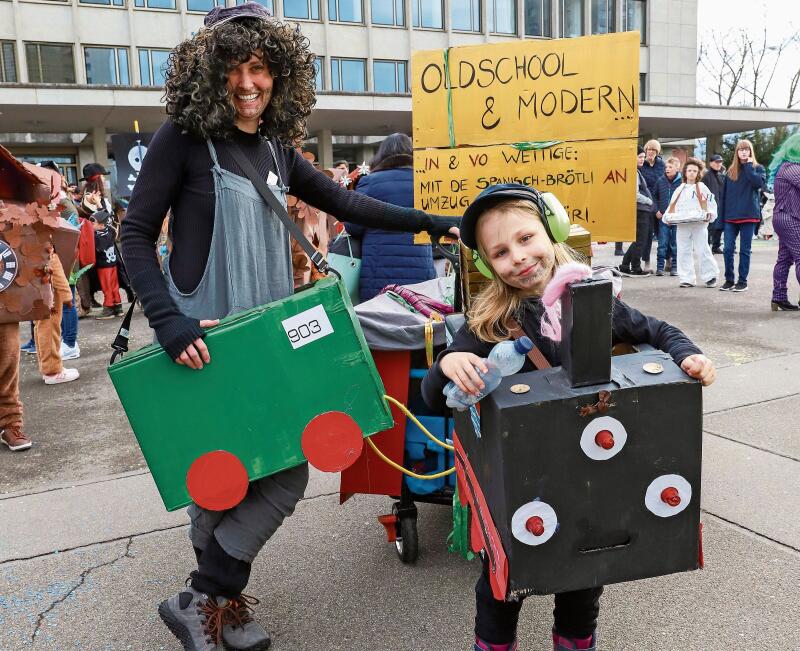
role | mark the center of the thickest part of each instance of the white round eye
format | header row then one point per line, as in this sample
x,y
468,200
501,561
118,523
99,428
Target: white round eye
x,y
603,438
534,523
668,495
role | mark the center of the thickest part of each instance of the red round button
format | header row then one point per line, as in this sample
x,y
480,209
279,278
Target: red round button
x,y
217,480
535,525
332,441
604,439
671,496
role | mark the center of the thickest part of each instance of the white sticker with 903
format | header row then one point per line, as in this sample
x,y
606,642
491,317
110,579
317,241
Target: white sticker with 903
x,y
307,326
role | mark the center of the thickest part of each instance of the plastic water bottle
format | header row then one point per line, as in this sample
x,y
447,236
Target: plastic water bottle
x,y
506,358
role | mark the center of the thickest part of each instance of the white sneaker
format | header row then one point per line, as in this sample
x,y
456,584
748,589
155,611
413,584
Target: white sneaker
x,y
70,352
66,375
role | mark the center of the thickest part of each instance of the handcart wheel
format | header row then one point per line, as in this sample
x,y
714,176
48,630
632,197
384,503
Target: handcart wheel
x,y
407,542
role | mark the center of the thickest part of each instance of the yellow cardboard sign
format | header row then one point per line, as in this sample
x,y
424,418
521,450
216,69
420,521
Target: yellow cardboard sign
x,y
595,180
529,90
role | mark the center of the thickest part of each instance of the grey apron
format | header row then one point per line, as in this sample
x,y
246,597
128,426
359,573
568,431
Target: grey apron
x,y
249,264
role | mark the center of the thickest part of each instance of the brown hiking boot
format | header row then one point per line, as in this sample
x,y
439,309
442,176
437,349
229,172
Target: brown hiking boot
x,y
14,438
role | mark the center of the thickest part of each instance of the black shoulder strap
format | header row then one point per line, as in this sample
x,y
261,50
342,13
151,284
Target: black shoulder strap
x,y
260,184
120,344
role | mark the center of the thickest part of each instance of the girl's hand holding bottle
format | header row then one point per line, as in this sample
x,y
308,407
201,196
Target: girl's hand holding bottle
x,y
461,369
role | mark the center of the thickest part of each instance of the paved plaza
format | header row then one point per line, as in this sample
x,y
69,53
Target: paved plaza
x,y
87,551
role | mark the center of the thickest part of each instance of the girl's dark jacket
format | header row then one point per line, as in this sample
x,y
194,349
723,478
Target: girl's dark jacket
x,y
739,200
627,326
390,257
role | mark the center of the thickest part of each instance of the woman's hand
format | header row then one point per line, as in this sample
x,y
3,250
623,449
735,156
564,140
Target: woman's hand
x,y
196,353
461,369
700,368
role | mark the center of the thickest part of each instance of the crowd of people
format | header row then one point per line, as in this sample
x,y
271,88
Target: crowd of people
x,y
695,213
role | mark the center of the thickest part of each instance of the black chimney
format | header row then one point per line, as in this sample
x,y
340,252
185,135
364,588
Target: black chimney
x,y
586,332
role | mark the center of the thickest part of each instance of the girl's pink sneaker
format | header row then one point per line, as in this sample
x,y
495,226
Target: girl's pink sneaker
x,y
561,643
481,645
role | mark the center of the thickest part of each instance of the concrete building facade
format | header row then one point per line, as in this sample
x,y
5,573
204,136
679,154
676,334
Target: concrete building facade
x,y
73,72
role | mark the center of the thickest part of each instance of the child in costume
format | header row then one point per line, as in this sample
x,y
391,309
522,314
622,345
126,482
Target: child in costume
x,y
693,200
106,255
521,240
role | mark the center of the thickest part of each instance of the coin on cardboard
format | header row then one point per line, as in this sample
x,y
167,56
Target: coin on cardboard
x,y
654,368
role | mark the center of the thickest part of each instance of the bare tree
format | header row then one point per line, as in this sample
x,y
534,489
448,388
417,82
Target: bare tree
x,y
741,68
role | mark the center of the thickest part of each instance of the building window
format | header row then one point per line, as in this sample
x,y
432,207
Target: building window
x,y
8,62
603,16
390,76
67,166
344,11
465,15
502,16
202,5
319,79
571,18
50,64
153,66
636,17
538,15
642,87
389,12
427,13
349,75
107,65
304,9
162,4
269,4
107,3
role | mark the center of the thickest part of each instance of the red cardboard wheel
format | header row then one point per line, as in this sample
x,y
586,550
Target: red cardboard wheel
x,y
332,441
217,480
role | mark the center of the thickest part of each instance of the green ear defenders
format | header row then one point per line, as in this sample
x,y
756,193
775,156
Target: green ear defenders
x,y
554,216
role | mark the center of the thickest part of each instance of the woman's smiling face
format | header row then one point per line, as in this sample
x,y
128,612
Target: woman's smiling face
x,y
250,90
517,247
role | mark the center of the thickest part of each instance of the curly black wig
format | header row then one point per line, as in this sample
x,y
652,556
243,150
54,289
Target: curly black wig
x,y
196,92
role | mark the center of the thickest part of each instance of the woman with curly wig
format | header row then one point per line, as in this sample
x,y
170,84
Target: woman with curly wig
x,y
245,80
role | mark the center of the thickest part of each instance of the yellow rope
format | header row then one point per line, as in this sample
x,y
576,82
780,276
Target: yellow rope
x,y
413,418
397,466
424,430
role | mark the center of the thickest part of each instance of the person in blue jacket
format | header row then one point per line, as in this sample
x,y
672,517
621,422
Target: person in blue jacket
x,y
740,210
390,257
667,235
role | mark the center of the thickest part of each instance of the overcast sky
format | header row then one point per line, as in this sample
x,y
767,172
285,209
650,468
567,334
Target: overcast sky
x,y
781,19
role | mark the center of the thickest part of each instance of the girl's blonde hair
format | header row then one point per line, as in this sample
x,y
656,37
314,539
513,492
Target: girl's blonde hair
x,y
733,170
497,303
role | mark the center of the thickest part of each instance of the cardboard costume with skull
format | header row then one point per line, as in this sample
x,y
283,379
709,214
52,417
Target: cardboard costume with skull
x,y
27,227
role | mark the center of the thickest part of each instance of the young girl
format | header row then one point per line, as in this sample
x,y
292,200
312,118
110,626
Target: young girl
x,y
739,207
505,226
693,200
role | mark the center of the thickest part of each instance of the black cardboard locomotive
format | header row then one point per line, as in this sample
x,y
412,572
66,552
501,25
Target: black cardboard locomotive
x,y
590,476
